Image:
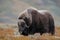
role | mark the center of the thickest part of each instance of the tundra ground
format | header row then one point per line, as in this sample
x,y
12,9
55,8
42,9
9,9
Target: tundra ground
x,y
10,32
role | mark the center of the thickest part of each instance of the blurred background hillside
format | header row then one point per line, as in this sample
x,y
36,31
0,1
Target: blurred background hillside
x,y
10,9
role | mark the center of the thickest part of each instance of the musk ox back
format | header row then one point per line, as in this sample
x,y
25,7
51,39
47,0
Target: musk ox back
x,y
36,21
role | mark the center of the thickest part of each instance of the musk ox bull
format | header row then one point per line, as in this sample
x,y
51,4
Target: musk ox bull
x,y
35,21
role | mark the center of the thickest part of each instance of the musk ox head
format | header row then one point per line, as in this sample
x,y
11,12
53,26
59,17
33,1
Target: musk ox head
x,y
25,20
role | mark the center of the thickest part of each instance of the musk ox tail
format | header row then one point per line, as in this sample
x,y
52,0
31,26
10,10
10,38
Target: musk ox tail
x,y
51,25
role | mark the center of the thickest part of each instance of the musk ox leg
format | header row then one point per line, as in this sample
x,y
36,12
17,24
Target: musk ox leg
x,y
32,31
51,26
42,31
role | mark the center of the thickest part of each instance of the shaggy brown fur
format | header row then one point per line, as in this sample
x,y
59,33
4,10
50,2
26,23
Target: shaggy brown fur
x,y
41,22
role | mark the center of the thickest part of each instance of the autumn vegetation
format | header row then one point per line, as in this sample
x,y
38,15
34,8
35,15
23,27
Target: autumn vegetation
x,y
9,34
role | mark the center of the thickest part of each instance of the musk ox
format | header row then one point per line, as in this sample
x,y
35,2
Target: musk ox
x,y
33,21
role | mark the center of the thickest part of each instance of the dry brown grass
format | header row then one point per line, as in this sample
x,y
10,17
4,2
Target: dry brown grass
x,y
57,29
8,34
